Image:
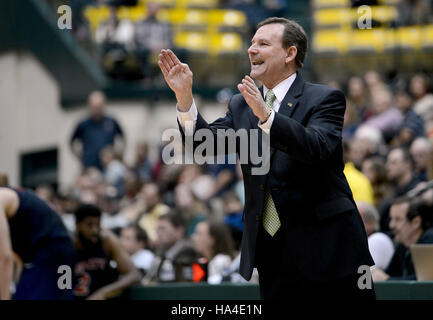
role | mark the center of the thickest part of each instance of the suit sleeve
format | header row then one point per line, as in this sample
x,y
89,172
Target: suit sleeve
x,y
316,141
222,123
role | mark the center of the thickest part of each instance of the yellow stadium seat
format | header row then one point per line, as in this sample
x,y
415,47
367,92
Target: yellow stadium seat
x,y
228,42
124,13
138,13
333,17
373,40
96,15
227,18
194,41
319,4
409,37
427,37
164,3
188,17
197,3
330,41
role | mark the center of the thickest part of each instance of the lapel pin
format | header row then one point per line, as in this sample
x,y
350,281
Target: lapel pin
x,y
290,104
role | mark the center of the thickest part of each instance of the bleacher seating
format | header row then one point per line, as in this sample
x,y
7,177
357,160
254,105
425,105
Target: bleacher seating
x,y
199,25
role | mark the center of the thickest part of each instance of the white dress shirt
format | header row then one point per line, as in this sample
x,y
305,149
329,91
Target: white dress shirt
x,y
280,91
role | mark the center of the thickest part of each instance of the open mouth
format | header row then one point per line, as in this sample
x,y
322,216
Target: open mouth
x,y
256,63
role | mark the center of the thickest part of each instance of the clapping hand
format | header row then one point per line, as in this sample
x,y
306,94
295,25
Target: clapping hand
x,y
178,77
254,98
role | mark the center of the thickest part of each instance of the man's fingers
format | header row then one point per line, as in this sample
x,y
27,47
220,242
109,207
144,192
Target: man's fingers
x,y
251,89
167,55
244,91
173,57
163,59
161,66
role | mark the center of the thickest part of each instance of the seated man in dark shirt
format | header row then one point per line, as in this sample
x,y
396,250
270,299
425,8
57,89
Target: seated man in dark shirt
x,y
94,276
410,223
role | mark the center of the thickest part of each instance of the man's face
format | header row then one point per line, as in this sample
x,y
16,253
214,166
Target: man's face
x,y
167,234
395,165
202,239
402,228
267,55
96,104
129,241
90,228
420,154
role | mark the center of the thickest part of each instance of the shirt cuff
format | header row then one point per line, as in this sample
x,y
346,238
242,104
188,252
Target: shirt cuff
x,y
190,115
266,126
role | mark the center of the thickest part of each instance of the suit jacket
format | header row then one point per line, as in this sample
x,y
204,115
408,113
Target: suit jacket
x,y
318,215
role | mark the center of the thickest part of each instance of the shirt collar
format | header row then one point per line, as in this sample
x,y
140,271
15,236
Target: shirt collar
x,y
281,89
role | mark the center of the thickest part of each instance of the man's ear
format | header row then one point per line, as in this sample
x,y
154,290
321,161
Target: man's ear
x,y
416,222
292,51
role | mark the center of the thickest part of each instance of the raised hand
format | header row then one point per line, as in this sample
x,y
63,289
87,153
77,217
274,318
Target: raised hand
x,y
254,98
178,77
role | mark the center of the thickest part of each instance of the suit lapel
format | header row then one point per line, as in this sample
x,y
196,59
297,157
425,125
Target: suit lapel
x,y
291,100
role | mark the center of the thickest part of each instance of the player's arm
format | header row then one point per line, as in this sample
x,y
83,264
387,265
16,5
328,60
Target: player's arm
x,y
129,274
8,204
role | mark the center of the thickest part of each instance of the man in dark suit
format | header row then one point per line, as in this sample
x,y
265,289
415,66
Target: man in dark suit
x,y
302,229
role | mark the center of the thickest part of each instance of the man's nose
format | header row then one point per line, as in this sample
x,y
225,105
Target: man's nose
x,y
252,49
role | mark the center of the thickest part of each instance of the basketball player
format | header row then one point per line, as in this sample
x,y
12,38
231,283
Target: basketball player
x,y
35,232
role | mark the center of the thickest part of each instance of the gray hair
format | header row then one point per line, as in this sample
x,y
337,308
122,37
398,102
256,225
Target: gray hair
x,y
370,213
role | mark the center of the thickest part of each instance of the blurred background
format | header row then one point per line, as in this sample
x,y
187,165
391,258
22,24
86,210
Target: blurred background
x,y
52,81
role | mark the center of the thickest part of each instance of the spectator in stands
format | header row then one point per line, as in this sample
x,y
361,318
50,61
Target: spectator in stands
x,y
213,241
410,224
152,35
412,126
94,277
421,152
154,208
379,244
142,165
233,216
132,188
423,99
135,241
173,250
359,184
114,170
399,167
369,141
375,170
115,34
385,117
95,132
356,106
414,12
